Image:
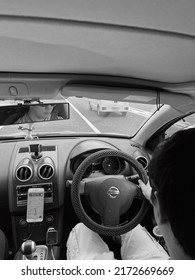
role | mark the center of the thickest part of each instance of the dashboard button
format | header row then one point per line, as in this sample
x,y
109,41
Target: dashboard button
x,y
23,223
49,219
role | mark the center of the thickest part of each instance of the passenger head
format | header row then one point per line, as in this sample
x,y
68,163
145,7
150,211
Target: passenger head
x,y
39,113
172,178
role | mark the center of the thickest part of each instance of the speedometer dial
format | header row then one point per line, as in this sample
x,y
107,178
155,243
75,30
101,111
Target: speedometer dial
x,y
111,165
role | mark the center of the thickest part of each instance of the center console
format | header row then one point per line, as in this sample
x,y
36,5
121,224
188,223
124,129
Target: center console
x,y
36,167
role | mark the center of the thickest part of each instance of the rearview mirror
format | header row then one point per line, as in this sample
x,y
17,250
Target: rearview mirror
x,y
30,113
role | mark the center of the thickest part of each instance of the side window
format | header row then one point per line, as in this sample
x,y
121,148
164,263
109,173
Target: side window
x,y
184,123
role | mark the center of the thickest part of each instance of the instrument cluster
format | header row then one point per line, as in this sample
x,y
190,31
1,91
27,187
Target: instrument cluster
x,y
109,165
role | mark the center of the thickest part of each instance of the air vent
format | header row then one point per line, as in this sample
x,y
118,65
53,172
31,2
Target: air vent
x,y
48,148
24,173
24,150
46,171
143,161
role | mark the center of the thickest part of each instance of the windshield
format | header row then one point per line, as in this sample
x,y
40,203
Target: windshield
x,y
92,116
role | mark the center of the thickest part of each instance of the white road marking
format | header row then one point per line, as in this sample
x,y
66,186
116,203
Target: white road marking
x,y
139,112
85,119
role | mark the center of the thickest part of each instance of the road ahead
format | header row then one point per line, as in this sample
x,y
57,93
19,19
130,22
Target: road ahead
x,y
113,122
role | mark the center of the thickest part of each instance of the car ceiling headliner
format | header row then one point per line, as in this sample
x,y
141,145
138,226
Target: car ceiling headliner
x,y
152,39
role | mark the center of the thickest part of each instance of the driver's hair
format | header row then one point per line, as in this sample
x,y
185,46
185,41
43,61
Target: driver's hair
x,y
172,175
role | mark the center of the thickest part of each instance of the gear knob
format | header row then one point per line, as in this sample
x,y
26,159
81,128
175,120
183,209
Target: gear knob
x,y
28,248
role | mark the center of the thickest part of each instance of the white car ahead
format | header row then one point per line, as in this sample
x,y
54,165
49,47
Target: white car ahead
x,y
104,107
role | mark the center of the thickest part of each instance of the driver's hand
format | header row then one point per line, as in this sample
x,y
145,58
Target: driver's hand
x,y
146,189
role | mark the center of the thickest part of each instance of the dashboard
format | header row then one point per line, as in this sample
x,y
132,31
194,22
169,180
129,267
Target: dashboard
x,y
50,164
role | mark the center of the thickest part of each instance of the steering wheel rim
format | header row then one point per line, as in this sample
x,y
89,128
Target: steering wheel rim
x,y
76,197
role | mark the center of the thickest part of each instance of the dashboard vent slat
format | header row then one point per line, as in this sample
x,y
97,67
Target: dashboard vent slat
x,y
44,149
48,148
24,150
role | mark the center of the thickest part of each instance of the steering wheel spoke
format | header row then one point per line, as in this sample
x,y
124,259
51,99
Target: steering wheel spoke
x,y
139,193
111,215
82,185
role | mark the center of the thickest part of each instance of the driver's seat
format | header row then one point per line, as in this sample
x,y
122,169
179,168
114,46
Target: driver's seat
x,y
3,246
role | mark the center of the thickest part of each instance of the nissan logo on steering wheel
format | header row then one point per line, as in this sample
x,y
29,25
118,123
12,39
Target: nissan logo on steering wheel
x,y
113,192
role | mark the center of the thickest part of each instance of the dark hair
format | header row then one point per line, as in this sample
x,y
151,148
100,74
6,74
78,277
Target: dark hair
x,y
172,175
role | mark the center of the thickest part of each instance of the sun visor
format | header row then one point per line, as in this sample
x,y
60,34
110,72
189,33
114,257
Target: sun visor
x,y
131,95
32,89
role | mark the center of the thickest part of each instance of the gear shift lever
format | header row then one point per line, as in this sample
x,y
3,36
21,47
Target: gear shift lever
x,y
28,248
29,251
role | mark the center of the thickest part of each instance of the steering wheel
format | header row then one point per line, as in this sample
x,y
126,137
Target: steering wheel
x,y
110,195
